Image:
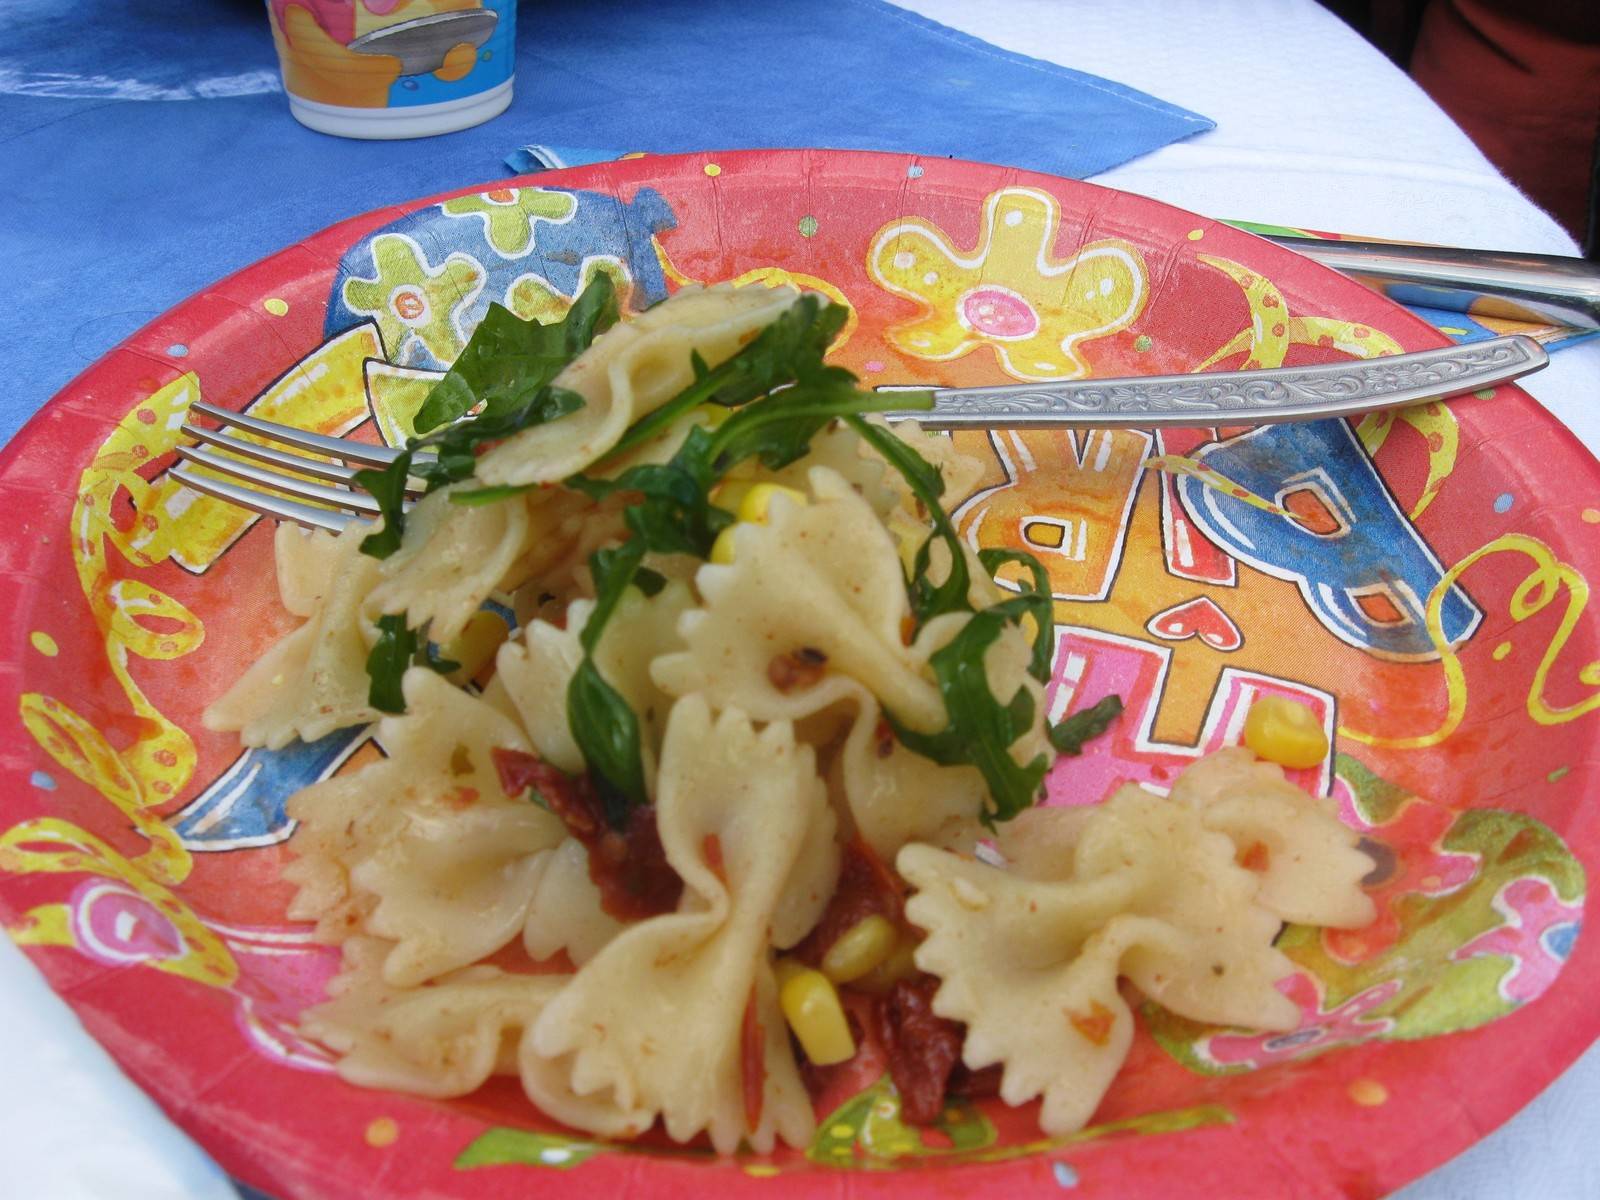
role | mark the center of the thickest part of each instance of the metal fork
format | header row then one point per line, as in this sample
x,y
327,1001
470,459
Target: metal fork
x,y
319,491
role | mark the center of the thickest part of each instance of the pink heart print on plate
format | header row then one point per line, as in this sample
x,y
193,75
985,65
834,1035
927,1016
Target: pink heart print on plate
x,y
1201,617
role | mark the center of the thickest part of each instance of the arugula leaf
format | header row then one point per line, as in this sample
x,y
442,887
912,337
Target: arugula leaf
x,y
674,514
388,488
455,458
928,599
506,366
787,350
508,359
604,726
1040,604
1085,724
981,729
778,430
398,647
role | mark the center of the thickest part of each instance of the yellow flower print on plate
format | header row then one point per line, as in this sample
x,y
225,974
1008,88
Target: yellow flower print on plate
x,y
1009,292
508,214
414,301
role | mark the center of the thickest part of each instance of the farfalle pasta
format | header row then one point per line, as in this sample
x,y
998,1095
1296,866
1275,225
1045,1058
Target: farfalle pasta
x,y
693,710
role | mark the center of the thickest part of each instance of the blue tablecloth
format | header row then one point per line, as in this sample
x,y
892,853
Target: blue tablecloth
x,y
145,149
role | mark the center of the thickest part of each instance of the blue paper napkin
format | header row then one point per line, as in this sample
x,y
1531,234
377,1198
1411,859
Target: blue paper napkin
x,y
118,208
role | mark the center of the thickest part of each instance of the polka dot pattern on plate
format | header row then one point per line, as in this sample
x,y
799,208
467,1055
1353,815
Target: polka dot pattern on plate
x,y
1368,1093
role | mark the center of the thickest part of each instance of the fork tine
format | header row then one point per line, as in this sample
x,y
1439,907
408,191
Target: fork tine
x,y
300,489
345,449
267,506
331,471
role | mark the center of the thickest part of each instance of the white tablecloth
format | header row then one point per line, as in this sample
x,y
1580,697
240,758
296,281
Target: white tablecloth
x,y
1314,129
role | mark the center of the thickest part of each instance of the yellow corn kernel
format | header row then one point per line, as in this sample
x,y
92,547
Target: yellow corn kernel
x,y
897,966
1286,732
860,948
476,644
722,548
730,493
756,503
811,1006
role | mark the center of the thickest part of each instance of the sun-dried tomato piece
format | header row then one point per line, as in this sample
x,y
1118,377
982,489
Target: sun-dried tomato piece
x,y
628,865
866,887
923,1048
752,1062
800,668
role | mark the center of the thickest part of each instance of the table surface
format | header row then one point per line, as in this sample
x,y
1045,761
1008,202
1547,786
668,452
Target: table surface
x,y
1314,129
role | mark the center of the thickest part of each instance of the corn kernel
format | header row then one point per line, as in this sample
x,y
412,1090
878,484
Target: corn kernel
x,y
859,949
756,504
476,644
811,1006
897,966
730,493
1286,732
722,548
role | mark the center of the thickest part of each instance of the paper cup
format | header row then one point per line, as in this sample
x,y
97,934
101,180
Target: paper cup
x,y
395,68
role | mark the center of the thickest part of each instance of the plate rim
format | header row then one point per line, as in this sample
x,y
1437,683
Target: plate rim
x,y
615,176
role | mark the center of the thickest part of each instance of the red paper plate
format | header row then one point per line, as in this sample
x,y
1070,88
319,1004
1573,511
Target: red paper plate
x,y
1420,580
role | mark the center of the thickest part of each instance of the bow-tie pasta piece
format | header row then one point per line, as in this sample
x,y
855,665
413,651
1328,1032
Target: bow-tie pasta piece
x,y
1031,965
897,796
536,670
305,560
819,579
652,1024
451,558
960,471
314,680
630,371
1308,860
445,1039
840,449
566,913
435,857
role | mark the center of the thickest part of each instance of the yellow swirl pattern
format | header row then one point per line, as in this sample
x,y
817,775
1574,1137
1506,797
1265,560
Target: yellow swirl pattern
x,y
1537,591
1182,464
169,523
1437,425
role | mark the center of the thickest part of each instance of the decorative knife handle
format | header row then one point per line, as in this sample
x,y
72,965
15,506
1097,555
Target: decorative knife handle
x,y
1237,397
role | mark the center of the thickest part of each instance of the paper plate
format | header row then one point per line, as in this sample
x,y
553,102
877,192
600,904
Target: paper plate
x,y
1421,581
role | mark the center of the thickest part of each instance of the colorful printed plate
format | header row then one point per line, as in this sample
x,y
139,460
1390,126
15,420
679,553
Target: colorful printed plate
x,y
1421,581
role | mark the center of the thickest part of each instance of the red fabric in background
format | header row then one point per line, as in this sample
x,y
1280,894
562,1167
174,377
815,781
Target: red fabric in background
x,y
1522,77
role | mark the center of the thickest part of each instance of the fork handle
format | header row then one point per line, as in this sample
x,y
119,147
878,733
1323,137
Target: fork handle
x,y
1534,288
1236,397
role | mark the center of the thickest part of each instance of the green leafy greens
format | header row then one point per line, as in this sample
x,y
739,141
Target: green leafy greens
x,y
505,372
397,648
1085,724
981,726
782,394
